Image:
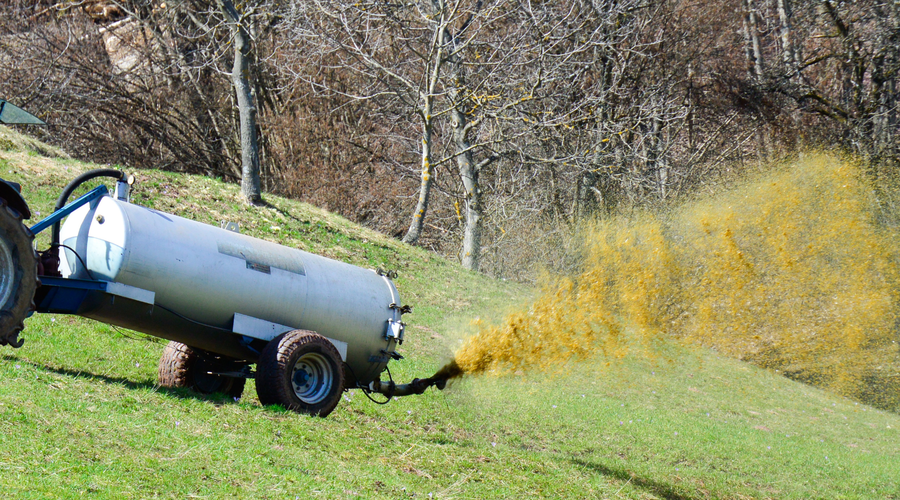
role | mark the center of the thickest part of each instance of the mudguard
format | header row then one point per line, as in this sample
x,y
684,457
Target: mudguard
x,y
10,191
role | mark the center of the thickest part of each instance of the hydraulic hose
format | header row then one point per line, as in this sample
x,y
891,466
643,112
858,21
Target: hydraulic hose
x,y
72,186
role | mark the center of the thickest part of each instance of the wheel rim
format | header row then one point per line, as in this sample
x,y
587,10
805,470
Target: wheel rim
x,y
8,278
312,378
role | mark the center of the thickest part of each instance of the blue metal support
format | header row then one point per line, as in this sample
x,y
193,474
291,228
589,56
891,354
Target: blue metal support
x,y
65,296
57,216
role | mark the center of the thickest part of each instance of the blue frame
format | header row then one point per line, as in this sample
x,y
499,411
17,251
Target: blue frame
x,y
57,216
65,295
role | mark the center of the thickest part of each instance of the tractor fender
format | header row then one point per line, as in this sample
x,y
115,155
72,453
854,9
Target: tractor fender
x,y
10,191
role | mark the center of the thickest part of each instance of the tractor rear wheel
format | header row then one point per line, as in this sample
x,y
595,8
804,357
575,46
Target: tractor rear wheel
x,y
18,274
301,371
195,369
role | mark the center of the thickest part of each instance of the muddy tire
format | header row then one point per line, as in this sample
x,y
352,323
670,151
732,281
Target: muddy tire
x,y
18,274
301,371
187,367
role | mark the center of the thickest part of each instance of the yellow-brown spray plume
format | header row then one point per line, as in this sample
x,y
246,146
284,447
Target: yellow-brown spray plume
x,y
795,271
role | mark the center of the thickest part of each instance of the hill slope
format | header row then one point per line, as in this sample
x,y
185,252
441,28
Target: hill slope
x,y
83,415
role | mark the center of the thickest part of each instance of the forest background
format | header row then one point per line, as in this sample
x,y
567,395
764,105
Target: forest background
x,y
484,130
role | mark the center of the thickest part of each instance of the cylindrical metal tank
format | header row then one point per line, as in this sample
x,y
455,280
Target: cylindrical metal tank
x,y
213,276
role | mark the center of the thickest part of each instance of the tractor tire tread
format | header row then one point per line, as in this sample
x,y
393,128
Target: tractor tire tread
x,y
12,316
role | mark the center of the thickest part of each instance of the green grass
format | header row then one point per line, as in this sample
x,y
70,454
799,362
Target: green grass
x,y
82,415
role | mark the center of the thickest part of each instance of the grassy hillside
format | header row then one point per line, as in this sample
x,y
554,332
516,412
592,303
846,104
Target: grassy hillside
x,y
83,417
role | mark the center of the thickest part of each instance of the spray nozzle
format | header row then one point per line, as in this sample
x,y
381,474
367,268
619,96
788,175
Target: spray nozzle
x,y
418,385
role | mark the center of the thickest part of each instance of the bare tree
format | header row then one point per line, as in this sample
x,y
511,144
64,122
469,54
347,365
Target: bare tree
x,y
412,56
246,102
150,75
498,82
485,129
848,72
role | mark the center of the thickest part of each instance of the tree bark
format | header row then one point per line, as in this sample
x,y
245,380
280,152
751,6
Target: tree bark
x,y
884,85
418,219
240,78
469,171
428,94
788,55
751,35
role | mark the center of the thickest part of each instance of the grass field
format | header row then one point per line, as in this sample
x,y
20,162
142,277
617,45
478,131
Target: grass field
x,y
82,415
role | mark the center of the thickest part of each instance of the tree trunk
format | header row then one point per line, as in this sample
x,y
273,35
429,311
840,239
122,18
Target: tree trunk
x,y
240,78
884,86
751,36
427,96
788,55
656,164
755,70
468,170
585,203
418,219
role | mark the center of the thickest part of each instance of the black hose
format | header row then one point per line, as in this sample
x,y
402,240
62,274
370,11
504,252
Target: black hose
x,y
72,186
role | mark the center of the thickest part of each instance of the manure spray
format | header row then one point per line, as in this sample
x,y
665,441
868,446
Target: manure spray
x,y
795,271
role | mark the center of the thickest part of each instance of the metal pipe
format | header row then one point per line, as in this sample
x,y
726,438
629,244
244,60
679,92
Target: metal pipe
x,y
417,386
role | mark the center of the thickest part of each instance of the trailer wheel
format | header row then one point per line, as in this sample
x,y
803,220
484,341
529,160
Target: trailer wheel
x,y
18,274
301,371
188,367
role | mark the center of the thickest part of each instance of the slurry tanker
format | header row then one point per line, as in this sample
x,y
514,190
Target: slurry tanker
x,y
312,326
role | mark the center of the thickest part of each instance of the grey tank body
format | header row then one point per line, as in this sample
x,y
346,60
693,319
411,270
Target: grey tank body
x,y
232,282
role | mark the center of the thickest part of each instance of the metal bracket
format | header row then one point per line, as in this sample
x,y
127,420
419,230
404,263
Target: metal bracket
x,y
387,274
123,189
266,330
67,295
394,331
396,356
403,310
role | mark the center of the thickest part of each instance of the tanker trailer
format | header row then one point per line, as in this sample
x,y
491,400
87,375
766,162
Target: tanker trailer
x,y
312,326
